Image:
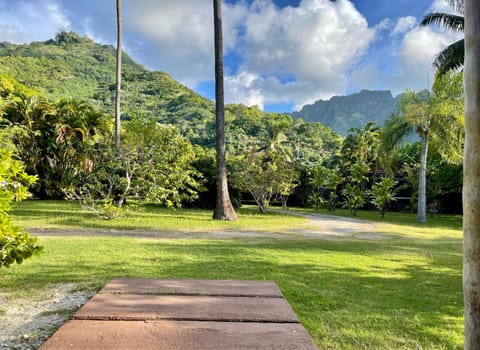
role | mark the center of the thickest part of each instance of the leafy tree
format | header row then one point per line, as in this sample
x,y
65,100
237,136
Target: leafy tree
x,y
383,194
264,175
452,57
471,178
15,244
223,208
312,143
155,164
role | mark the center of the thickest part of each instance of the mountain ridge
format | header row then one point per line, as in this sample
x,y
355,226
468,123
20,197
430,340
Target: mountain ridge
x,y
351,111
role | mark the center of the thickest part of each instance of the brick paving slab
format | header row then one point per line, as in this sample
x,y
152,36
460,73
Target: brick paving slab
x,y
174,307
193,287
174,335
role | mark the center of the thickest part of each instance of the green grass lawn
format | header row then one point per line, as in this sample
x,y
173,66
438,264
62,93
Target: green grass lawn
x,y
61,215
403,292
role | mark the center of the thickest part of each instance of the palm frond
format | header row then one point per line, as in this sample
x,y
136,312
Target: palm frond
x,y
395,130
457,5
453,22
451,58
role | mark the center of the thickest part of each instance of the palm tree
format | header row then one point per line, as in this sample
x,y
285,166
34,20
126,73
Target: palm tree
x,y
426,115
414,116
274,138
223,207
471,178
452,57
361,144
118,77
34,117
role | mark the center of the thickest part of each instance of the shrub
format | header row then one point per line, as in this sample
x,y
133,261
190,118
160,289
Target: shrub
x,y
15,244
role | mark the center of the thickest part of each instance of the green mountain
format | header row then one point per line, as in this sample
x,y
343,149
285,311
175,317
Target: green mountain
x,y
77,67
353,111
74,66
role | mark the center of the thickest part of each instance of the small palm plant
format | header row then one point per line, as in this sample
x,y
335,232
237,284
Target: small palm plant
x,y
383,194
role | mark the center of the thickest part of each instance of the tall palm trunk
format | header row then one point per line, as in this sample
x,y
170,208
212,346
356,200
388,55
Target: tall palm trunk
x,y
471,177
223,207
118,77
422,181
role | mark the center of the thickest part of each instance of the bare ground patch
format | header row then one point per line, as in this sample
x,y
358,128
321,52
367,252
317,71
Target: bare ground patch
x,y
26,323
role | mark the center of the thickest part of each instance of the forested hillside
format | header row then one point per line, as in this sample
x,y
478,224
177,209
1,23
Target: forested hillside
x,y
70,66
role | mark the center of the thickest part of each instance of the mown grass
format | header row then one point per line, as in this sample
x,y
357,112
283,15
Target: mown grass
x,y
403,292
61,215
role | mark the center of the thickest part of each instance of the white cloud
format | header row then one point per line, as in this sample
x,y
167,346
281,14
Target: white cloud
x,y
441,6
177,36
312,45
294,54
404,24
12,33
411,56
24,21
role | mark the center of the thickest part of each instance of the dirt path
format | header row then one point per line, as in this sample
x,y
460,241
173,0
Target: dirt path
x,y
320,226
334,227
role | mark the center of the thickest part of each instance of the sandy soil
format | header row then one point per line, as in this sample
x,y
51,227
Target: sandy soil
x,y
26,323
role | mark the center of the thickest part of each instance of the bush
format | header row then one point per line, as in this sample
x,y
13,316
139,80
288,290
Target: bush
x,y
15,244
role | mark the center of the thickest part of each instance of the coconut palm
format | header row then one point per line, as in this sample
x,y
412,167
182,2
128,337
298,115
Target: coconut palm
x,y
452,57
223,206
118,89
471,178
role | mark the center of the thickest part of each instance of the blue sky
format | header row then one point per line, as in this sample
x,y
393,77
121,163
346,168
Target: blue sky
x,y
279,54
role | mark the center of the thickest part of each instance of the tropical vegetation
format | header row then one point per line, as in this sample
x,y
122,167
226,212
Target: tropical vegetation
x,y
67,142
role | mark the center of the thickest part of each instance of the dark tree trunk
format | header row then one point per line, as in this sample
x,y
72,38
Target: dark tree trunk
x,y
118,77
471,178
223,206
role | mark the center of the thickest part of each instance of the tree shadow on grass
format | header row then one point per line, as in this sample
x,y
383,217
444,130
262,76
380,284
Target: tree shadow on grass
x,y
364,294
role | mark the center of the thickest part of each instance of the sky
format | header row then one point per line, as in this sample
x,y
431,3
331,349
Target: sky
x,y
278,54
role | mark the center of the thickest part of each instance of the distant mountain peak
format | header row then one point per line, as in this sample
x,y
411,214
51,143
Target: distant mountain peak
x,y
352,111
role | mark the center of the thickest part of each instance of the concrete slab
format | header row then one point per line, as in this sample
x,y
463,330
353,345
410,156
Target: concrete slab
x,y
169,335
193,287
191,308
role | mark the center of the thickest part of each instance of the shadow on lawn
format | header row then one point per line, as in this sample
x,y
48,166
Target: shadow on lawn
x,y
375,287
